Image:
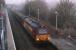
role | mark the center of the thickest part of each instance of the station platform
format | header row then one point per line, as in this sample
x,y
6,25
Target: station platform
x,y
6,35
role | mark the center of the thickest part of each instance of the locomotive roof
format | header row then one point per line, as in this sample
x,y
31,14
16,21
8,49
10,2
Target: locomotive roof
x,y
33,22
23,17
36,24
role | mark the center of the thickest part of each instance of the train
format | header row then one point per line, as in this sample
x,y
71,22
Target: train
x,y
38,31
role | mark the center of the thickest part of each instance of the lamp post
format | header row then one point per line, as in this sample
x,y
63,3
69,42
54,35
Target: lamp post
x,y
29,11
38,14
56,19
29,6
58,41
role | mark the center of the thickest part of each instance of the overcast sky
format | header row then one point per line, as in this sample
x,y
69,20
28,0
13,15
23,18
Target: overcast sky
x,y
22,1
14,1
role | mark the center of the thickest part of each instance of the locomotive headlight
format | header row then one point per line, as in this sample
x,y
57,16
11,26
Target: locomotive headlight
x,y
49,38
37,38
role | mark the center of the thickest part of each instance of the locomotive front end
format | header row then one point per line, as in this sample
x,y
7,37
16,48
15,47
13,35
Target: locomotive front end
x,y
43,35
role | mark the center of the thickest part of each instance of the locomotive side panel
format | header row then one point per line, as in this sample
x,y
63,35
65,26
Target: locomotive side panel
x,y
26,26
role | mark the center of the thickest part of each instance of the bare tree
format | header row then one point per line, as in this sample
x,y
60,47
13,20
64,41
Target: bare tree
x,y
34,6
66,14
